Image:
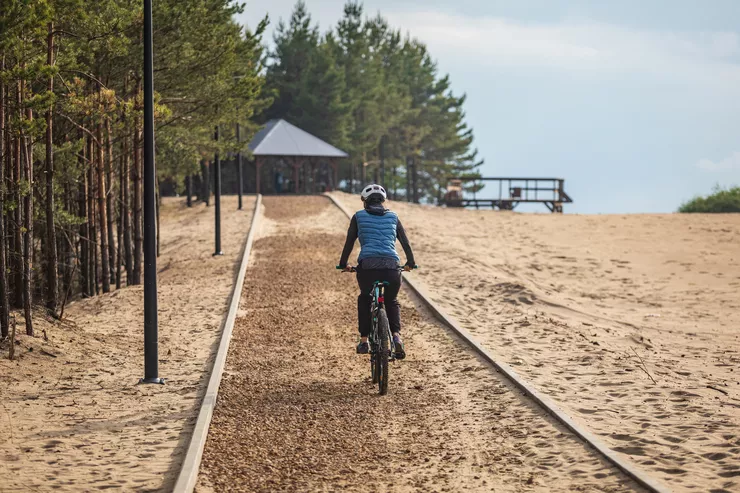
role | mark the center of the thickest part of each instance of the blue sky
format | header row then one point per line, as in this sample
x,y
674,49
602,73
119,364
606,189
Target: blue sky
x,y
635,103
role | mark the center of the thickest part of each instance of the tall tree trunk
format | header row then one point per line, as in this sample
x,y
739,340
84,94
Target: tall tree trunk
x,y
102,212
28,233
7,218
415,178
8,196
4,308
52,293
119,225
381,151
197,179
351,177
206,169
125,192
65,244
393,177
126,212
109,202
138,238
91,229
17,232
189,190
119,249
408,178
82,198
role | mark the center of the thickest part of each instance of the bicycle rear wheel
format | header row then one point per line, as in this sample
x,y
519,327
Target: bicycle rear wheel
x,y
381,359
373,366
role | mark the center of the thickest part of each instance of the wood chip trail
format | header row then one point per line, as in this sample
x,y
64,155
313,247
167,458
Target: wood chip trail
x,y
297,412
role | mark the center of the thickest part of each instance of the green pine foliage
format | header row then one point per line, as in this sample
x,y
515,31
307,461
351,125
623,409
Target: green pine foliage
x,y
374,93
71,197
78,66
721,200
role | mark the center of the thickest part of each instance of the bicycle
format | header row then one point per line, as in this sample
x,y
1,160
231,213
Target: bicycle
x,y
380,340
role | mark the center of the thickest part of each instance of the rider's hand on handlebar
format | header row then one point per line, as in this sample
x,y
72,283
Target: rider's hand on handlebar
x,y
348,268
408,268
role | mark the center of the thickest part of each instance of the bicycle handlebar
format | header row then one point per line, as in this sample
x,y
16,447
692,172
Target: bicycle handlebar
x,y
354,269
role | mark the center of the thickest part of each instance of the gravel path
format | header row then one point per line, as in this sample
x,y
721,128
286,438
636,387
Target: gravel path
x,y
297,411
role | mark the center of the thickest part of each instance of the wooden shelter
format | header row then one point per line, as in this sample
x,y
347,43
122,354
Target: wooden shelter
x,y
313,162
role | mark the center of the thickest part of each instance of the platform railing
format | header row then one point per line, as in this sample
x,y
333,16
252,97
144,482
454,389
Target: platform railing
x,y
512,191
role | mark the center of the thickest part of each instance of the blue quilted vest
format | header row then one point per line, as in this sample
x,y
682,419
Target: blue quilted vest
x,y
377,234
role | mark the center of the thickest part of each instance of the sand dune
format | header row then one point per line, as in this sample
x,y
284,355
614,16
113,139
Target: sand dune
x,y
591,309
78,421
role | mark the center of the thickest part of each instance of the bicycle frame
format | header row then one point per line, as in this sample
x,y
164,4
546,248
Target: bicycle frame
x,y
380,352
378,302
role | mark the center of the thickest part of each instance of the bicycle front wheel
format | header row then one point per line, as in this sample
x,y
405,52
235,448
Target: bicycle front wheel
x,y
384,351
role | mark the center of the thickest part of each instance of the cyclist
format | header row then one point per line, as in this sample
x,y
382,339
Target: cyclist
x,y
377,228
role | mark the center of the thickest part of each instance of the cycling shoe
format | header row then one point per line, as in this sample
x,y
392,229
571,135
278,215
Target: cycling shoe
x,y
400,351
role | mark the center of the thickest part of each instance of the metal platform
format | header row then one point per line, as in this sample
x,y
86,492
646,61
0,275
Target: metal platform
x,y
511,193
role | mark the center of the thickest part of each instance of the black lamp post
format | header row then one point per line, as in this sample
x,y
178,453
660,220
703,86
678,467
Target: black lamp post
x,y
239,165
151,349
217,199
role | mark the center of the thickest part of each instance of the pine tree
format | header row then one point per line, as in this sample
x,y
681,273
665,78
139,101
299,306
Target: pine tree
x,y
4,306
70,82
295,50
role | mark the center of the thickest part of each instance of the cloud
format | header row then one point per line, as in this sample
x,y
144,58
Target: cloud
x,y
579,46
730,163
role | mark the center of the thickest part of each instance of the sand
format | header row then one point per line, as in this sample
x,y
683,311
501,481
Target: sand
x,y
297,411
79,421
591,308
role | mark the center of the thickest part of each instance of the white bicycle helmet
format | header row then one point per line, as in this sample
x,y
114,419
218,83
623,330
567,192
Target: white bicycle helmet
x,y
373,189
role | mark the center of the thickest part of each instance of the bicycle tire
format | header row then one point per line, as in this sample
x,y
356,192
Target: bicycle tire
x,y
384,352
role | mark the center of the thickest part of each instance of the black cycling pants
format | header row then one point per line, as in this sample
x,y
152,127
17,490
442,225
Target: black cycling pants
x,y
365,279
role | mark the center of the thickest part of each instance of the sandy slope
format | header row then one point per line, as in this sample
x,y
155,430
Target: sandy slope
x,y
79,422
296,410
581,304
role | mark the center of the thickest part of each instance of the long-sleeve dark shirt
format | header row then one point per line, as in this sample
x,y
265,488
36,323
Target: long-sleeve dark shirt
x,y
349,243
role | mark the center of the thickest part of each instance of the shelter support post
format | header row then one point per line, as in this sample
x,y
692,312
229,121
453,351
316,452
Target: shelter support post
x,y
315,167
258,169
296,175
335,174
306,167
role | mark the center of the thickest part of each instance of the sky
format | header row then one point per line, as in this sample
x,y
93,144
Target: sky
x,y
635,103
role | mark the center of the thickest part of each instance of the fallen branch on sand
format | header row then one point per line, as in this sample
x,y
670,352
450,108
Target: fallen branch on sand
x,y
718,390
643,367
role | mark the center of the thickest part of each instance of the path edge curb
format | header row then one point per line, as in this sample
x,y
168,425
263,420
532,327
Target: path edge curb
x,y
188,475
540,399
